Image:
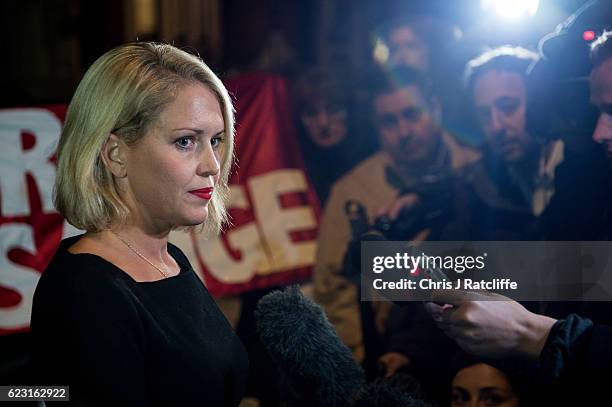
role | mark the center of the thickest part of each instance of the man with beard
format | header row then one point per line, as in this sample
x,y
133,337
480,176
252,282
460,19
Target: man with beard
x,y
514,182
533,178
414,149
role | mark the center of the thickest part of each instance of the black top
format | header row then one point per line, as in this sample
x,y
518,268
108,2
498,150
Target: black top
x,y
116,341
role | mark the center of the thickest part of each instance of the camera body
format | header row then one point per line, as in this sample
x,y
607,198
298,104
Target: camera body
x,y
434,211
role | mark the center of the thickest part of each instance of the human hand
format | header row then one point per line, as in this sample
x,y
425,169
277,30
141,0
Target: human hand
x,y
393,361
489,325
404,202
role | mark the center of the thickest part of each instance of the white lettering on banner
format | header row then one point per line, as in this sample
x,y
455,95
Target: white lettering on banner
x,y
244,238
265,246
17,277
14,162
276,221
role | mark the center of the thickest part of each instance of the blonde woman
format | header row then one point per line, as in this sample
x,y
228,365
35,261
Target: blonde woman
x,y
119,314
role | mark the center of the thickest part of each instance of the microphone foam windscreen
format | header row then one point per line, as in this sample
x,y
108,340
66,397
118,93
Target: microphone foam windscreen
x,y
318,367
400,390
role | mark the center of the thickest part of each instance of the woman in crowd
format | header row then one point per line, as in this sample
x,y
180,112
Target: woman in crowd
x,y
119,315
476,384
333,140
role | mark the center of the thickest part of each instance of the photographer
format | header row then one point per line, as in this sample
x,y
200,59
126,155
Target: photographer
x,y
413,149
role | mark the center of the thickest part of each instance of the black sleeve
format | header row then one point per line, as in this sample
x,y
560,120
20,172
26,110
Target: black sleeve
x,y
87,334
577,347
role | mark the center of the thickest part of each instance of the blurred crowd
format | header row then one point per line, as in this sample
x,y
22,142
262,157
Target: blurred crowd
x,y
507,148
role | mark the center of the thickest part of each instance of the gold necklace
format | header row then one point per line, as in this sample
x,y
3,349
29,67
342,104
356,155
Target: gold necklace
x,y
132,248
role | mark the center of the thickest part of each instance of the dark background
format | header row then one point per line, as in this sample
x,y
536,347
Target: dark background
x,y
47,45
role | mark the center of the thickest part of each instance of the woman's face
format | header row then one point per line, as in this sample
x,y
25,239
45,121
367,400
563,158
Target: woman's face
x,y
325,123
482,385
172,170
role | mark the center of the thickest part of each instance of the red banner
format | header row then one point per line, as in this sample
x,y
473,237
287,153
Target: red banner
x,y
274,210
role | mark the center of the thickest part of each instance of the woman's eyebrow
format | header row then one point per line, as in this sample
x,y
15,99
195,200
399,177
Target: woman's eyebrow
x,y
491,389
461,389
196,130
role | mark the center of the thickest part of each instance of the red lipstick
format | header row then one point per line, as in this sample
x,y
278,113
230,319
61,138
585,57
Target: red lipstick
x,y
204,193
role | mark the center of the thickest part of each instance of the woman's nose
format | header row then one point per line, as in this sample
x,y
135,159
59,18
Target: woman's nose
x,y
209,164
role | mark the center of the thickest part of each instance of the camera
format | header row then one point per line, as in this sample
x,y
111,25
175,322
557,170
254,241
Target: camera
x,y
434,211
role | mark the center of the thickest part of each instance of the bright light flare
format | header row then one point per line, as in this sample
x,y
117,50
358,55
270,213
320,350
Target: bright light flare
x,y
511,9
381,52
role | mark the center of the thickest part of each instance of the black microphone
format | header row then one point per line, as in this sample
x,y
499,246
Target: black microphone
x,y
400,390
317,367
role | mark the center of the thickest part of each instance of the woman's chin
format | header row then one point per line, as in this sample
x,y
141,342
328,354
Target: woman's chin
x,y
195,219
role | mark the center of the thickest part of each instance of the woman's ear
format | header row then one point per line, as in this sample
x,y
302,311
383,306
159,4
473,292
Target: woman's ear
x,y
114,156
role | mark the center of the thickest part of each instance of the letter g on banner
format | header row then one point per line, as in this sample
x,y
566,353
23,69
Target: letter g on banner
x,y
263,246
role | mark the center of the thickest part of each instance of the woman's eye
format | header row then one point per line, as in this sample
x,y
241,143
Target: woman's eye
x,y
216,141
185,142
459,398
491,401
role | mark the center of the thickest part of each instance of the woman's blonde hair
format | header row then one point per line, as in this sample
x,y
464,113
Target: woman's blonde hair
x,y
123,93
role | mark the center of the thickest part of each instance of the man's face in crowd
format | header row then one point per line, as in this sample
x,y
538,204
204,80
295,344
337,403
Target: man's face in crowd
x,y
601,96
407,125
500,100
406,49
